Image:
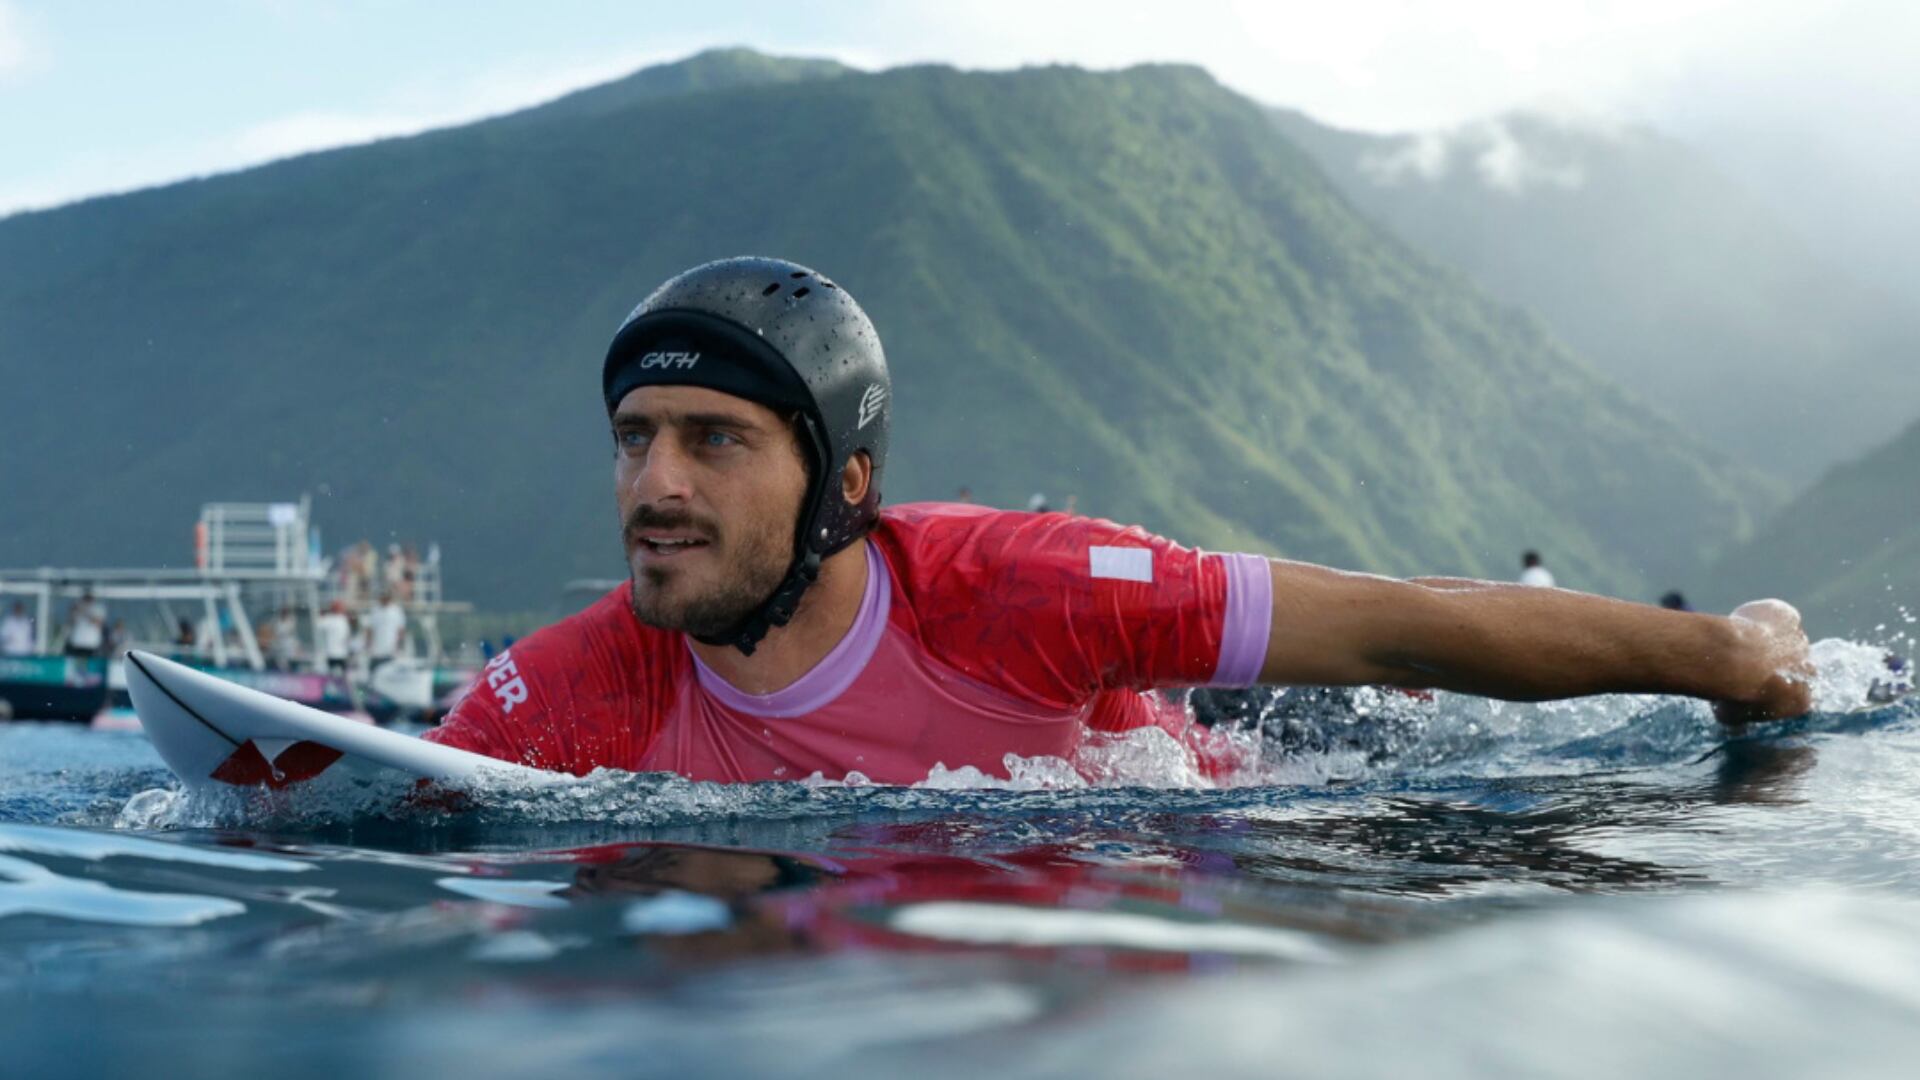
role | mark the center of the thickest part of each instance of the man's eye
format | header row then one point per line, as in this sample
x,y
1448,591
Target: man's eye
x,y
630,440
718,439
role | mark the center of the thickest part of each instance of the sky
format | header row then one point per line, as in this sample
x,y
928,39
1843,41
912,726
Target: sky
x,y
99,96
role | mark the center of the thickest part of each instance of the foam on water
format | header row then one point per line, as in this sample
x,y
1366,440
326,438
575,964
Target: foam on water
x,y
1292,739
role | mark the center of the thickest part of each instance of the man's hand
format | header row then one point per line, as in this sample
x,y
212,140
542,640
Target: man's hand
x,y
1775,648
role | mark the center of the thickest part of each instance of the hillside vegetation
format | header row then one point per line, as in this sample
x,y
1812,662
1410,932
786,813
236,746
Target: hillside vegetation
x,y
1120,286
1662,271
1847,550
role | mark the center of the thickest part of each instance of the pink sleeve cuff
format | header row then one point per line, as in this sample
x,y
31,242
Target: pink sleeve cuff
x,y
1249,620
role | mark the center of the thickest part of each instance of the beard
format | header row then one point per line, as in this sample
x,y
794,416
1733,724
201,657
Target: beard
x,y
750,565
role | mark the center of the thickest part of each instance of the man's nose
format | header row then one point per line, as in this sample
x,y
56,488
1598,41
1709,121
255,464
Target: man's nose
x,y
665,475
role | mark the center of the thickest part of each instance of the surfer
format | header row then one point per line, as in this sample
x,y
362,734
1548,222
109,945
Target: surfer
x,y
777,623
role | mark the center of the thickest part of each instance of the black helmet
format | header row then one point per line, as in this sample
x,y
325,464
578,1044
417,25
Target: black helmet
x,y
780,334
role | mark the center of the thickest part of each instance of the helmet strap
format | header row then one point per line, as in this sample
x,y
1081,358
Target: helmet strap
x,y
778,610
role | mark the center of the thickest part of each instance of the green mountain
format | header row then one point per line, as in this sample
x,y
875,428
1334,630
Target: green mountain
x,y
1660,270
1847,550
1118,286
715,69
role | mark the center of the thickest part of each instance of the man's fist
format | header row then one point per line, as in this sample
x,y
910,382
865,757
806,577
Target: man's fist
x,y
1774,649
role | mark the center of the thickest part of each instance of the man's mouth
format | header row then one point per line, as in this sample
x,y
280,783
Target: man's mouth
x,y
662,546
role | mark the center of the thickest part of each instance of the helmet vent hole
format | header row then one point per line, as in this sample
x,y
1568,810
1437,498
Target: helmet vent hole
x,y
801,292
825,284
771,289
798,274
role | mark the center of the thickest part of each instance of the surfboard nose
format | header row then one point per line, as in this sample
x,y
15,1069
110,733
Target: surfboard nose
x,y
212,729
163,693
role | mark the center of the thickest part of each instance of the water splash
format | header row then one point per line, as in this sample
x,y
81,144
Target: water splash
x,y
1290,738
1847,673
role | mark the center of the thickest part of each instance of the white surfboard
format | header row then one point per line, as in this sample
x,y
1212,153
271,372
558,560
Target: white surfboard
x,y
209,730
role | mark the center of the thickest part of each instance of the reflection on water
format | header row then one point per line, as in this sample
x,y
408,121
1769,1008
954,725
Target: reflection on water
x,y
1751,771
1607,888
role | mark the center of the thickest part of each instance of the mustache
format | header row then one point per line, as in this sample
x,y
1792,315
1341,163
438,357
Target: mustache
x,y
651,517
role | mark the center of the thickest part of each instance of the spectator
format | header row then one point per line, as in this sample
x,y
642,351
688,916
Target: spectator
x,y
1673,601
283,650
266,634
409,573
1533,571
336,636
186,640
369,571
1037,504
86,627
385,626
394,571
16,632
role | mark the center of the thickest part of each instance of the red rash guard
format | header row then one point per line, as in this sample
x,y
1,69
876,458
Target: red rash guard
x,y
982,633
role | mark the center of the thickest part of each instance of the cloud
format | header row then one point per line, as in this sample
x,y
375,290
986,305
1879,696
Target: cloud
x,y
1376,65
1507,164
407,109
1502,160
14,53
1427,156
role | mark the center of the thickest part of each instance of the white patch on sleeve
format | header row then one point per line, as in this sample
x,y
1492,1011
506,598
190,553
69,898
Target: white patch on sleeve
x,y
1122,564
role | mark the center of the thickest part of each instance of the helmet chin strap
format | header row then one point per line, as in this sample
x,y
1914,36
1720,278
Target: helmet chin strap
x,y
777,610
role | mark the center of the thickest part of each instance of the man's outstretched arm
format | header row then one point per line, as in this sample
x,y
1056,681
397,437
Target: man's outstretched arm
x,y
1529,644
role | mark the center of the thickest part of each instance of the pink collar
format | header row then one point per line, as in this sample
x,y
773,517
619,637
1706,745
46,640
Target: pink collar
x,y
827,679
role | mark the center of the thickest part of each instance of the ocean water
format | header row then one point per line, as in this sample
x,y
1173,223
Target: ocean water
x,y
1455,887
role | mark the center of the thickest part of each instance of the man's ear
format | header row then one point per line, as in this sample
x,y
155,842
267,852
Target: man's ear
x,y
856,478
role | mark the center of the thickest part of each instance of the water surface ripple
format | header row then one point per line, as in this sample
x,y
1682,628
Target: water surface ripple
x,y
1456,887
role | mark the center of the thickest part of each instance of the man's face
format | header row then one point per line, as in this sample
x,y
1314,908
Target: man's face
x,y
709,488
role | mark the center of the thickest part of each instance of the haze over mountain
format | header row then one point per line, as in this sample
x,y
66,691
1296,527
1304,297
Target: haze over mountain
x,y
1847,550
1665,273
1121,286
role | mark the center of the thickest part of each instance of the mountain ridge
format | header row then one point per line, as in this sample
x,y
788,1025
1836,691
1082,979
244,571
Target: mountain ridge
x,y
1666,274
1847,550
1117,284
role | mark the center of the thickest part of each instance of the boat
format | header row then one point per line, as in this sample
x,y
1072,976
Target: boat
x,y
52,687
248,558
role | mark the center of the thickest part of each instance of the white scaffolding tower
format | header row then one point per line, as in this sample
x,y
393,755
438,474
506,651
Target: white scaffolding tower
x,y
260,552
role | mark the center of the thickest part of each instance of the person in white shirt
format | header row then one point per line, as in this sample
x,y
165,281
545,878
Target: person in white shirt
x,y
285,647
385,625
16,632
1534,572
86,626
336,637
